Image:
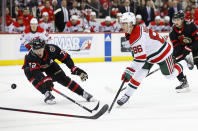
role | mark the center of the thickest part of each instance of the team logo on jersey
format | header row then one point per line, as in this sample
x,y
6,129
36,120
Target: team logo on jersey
x,y
52,48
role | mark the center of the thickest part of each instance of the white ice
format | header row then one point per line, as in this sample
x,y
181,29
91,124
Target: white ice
x,y
155,106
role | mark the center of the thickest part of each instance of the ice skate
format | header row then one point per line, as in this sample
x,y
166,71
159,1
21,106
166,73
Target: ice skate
x,y
123,100
49,98
189,61
88,97
183,87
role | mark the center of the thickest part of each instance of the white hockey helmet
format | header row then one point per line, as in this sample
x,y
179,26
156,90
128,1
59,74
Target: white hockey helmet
x,y
45,14
167,18
74,17
33,21
128,17
93,13
138,17
108,18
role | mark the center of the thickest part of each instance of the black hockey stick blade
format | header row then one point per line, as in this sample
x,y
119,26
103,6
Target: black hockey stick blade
x,y
96,116
101,112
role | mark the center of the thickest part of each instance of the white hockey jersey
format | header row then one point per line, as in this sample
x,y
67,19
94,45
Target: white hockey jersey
x,y
147,46
47,26
28,36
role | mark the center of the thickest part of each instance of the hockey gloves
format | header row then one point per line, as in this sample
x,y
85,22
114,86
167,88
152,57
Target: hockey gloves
x,y
82,74
127,75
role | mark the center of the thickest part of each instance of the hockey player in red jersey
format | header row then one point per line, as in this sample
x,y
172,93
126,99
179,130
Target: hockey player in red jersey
x,y
148,48
33,31
40,60
184,36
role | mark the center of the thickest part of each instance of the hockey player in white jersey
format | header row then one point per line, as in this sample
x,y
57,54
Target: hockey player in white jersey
x,y
148,48
34,31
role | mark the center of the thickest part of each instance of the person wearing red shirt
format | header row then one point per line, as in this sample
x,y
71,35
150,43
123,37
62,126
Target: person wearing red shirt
x,y
48,10
9,20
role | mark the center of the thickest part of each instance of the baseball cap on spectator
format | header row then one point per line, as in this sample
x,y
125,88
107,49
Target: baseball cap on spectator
x,y
108,18
45,14
74,17
138,17
20,17
93,13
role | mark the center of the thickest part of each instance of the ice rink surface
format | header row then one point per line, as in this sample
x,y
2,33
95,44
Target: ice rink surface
x,y
155,106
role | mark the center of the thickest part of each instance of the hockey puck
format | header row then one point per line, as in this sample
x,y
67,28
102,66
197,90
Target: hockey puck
x,y
13,86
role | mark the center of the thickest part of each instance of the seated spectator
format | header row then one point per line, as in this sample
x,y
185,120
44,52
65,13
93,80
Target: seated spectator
x,y
91,23
74,25
45,23
156,25
85,11
9,20
49,10
17,26
140,21
117,25
107,25
166,26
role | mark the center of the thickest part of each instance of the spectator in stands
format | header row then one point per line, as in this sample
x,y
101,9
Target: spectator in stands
x,y
117,25
9,20
17,26
139,20
156,25
107,25
61,16
45,23
26,16
104,10
166,26
164,10
92,24
95,6
49,10
127,7
114,9
147,13
173,7
74,25
74,10
85,11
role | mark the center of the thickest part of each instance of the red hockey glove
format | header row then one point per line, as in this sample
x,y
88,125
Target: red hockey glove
x,y
127,75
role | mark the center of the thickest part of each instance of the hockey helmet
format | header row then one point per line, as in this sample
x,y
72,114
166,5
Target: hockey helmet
x,y
33,21
180,14
37,43
128,17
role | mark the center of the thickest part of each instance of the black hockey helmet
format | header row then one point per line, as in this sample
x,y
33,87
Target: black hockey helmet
x,y
37,43
180,14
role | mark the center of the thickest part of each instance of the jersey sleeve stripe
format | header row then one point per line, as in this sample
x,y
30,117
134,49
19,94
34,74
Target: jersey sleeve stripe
x,y
142,57
64,57
194,32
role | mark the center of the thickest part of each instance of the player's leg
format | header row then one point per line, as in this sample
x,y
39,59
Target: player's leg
x,y
195,52
41,83
171,70
134,83
58,75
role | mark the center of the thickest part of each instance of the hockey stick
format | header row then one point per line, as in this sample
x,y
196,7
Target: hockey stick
x,y
75,101
113,91
116,96
96,116
147,75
